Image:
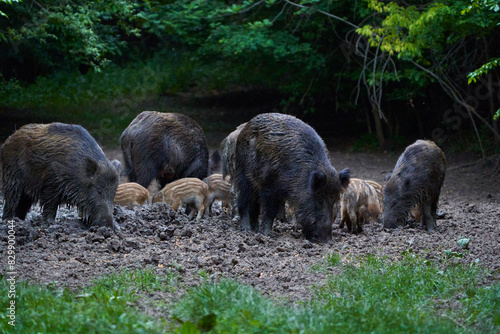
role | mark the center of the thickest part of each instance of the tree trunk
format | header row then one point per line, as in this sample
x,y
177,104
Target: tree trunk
x,y
378,126
491,95
493,108
368,122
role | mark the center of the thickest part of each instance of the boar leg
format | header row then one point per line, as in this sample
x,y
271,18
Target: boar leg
x,y
12,199
234,201
347,222
353,222
175,205
200,207
49,203
254,215
249,216
200,213
428,218
270,208
24,206
343,215
49,212
248,206
209,205
193,209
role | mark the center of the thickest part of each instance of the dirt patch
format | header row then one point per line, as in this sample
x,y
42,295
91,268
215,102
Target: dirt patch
x,y
281,265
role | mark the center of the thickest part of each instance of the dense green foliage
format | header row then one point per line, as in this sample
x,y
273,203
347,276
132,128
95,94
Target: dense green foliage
x,y
398,60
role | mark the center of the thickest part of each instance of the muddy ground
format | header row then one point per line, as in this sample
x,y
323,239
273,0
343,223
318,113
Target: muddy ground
x,y
281,265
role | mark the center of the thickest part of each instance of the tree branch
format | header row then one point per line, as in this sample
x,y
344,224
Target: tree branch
x,y
324,13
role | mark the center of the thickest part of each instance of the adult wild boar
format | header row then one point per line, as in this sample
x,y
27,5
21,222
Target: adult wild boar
x,y
280,158
57,164
165,147
416,181
228,149
117,164
215,163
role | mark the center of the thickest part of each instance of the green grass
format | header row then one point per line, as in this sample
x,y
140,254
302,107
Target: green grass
x,y
370,295
107,306
373,295
411,295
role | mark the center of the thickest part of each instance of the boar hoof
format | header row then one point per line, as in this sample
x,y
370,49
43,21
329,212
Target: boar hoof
x,y
431,226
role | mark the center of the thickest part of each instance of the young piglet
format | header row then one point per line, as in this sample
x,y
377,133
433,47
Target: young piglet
x,y
359,203
186,191
218,189
131,194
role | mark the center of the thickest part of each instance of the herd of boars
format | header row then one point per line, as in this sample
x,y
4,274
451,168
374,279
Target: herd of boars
x,y
271,162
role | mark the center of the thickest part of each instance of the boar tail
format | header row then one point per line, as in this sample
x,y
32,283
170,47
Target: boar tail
x,y
127,157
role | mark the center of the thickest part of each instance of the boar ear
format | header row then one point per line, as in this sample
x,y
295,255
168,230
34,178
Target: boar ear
x,y
345,177
90,167
316,180
387,176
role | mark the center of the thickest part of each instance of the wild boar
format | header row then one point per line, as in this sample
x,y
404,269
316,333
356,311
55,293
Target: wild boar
x,y
215,163
228,149
416,180
380,192
57,164
118,165
218,189
131,194
279,158
359,203
165,147
186,191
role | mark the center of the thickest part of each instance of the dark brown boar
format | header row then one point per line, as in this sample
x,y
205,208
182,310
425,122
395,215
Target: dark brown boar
x,y
165,147
416,181
189,191
228,149
218,189
359,203
57,164
131,194
215,163
279,158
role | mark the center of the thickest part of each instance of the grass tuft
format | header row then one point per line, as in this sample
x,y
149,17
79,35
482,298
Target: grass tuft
x,y
371,295
104,307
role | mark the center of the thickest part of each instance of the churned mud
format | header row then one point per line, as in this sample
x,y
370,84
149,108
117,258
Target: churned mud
x,y
281,265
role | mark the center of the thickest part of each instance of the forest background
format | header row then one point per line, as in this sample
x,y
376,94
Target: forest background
x,y
383,71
